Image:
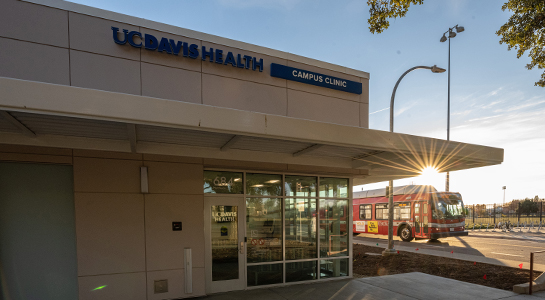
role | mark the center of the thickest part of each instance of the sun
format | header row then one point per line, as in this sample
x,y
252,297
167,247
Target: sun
x,y
430,176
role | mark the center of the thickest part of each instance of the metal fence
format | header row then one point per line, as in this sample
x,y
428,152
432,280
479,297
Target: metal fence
x,y
490,215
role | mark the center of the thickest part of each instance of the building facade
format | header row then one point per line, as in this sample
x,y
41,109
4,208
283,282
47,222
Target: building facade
x,y
144,161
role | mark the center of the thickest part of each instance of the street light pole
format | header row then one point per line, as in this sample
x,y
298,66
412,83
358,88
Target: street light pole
x,y
451,34
390,249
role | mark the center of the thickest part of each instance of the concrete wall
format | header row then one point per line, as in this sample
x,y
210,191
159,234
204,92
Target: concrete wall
x,y
124,238
56,46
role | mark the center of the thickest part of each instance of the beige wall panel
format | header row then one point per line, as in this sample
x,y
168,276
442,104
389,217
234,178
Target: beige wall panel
x,y
175,178
104,73
243,165
106,175
110,233
176,285
164,247
243,73
322,90
128,286
35,150
243,95
171,83
34,23
170,158
107,154
324,109
364,115
171,60
95,35
39,158
34,62
365,90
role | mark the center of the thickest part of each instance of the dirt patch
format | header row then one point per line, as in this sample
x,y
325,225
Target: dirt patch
x,y
367,265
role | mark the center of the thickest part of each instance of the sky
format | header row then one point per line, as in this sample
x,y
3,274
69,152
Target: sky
x,y
493,98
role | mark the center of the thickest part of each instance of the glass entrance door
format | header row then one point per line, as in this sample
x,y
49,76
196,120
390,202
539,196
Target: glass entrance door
x,y
224,243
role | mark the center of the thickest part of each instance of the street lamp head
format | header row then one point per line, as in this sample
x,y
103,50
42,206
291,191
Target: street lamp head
x,y
459,28
451,34
443,39
436,69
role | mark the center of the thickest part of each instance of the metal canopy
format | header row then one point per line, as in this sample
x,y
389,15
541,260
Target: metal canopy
x,y
61,116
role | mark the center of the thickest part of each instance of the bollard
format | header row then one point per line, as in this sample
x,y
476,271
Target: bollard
x,y
487,225
473,226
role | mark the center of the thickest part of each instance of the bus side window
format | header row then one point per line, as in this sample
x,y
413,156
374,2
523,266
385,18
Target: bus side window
x,y
365,211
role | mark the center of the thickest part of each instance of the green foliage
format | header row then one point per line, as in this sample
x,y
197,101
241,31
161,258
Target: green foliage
x,y
527,207
524,31
381,10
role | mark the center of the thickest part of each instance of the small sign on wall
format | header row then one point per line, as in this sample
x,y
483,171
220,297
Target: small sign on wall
x,y
176,226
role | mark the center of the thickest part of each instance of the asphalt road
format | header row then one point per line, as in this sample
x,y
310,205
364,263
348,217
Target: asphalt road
x,y
498,248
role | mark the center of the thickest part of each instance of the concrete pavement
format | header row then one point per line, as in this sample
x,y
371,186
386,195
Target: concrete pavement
x,y
456,255
401,286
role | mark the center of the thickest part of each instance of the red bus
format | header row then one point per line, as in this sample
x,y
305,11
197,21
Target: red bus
x,y
420,211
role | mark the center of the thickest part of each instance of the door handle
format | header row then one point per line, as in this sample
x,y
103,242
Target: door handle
x,y
241,247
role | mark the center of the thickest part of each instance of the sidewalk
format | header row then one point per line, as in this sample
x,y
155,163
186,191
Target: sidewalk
x,y
401,286
514,235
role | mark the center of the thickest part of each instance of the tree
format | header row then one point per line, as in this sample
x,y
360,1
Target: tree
x,y
527,207
524,31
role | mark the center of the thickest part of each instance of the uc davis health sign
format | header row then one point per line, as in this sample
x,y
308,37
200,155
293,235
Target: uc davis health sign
x,y
314,78
172,47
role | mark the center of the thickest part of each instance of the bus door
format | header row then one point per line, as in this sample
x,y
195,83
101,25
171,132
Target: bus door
x,y
421,219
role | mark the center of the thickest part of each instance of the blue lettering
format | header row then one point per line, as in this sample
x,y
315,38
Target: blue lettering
x,y
258,64
115,30
230,59
176,47
150,42
130,39
164,46
207,53
186,50
219,56
239,61
193,51
247,60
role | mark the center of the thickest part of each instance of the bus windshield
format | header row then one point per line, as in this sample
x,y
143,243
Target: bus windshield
x,y
448,209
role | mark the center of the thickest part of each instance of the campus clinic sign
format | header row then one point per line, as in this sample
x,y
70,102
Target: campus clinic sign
x,y
172,47
314,78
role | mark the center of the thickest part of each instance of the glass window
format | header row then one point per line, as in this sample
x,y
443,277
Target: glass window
x,y
381,211
264,229
264,274
333,268
300,228
365,211
402,211
334,187
219,182
224,242
263,184
300,186
300,271
333,231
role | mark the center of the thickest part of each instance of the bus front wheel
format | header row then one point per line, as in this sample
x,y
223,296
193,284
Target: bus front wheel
x,y
406,234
